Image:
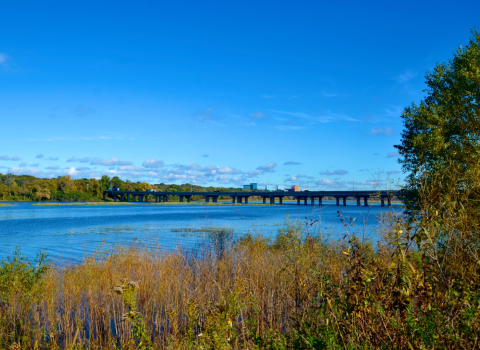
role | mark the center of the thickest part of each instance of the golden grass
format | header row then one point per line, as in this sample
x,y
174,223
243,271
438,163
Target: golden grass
x,y
5,205
176,289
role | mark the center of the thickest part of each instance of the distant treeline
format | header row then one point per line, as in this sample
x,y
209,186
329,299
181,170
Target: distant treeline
x,y
64,188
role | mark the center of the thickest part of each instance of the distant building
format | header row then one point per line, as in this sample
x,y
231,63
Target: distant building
x,y
252,186
294,188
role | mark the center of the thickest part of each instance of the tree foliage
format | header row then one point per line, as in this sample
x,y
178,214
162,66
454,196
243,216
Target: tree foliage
x,y
64,188
443,131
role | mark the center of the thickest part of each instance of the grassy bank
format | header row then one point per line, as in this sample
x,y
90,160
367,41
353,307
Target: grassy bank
x,y
85,203
300,290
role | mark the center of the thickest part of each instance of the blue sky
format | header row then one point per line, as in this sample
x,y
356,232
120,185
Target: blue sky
x,y
222,93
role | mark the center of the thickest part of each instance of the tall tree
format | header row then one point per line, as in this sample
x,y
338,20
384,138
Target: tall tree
x,y
443,131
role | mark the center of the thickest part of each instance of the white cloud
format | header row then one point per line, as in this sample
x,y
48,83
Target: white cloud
x,y
228,170
153,163
206,115
81,160
335,172
330,183
388,131
14,158
292,163
393,154
289,127
130,168
3,58
406,76
258,115
109,162
268,168
39,156
23,165
82,111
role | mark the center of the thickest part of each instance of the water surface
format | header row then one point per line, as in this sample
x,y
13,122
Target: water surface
x,y
73,231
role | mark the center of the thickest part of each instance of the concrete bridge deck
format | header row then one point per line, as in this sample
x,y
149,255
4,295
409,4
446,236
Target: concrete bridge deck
x,y
315,197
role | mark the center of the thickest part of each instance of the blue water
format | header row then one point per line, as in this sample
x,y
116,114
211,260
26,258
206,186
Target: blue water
x,y
74,231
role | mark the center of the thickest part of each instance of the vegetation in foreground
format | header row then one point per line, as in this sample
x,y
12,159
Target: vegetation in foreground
x,y
418,287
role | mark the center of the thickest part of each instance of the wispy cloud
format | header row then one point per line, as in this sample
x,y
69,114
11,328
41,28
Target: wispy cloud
x,y
53,158
39,156
81,160
206,155
393,155
269,168
388,131
258,115
56,167
83,111
328,94
406,76
292,163
206,115
109,162
289,127
14,158
335,172
153,163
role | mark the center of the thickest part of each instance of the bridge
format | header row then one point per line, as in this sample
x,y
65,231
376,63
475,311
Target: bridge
x,y
315,197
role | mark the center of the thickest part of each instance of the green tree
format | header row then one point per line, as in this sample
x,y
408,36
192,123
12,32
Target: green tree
x,y
443,131
105,182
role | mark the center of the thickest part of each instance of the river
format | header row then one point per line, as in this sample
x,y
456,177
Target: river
x,y
74,231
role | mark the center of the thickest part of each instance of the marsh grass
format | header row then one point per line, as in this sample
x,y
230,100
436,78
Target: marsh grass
x,y
5,205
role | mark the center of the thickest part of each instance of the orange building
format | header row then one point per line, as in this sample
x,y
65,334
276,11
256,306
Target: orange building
x,y
295,188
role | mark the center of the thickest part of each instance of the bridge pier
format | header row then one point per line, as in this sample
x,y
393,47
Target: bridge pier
x,y
233,199
189,199
338,200
305,200
246,200
320,201
298,200
239,199
389,201
365,201
207,199
215,199
180,199
358,201
272,200
280,200
264,200
344,201
312,200
382,200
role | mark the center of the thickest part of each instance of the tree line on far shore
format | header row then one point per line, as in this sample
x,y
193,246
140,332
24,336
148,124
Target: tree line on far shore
x,y
64,188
